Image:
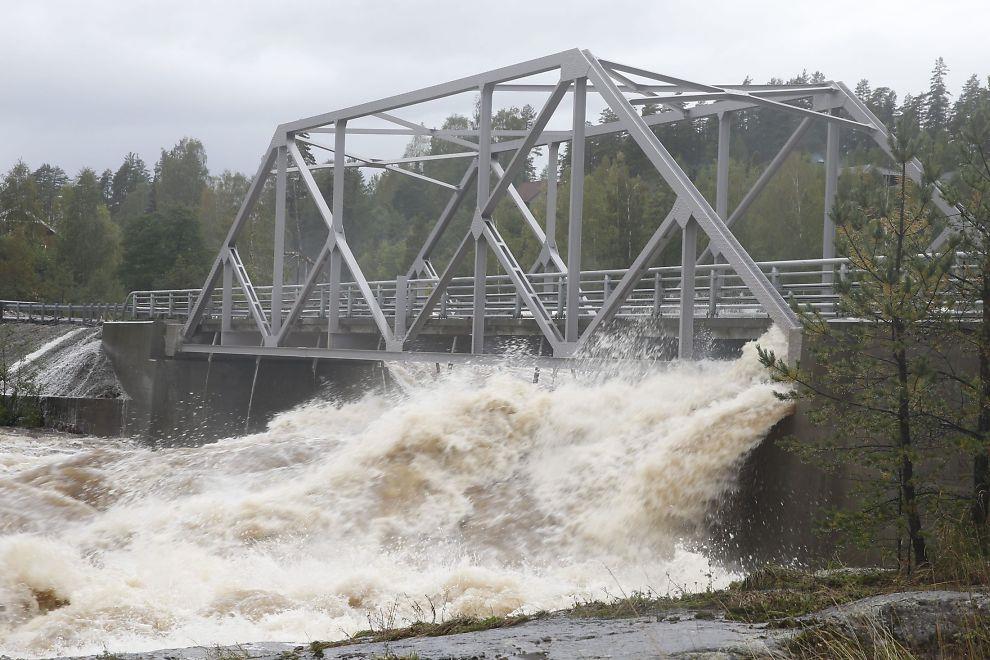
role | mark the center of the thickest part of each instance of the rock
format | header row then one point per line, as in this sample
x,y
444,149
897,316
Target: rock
x,y
917,619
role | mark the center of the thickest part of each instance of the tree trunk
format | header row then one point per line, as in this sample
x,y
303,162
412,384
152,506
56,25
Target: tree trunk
x,y
981,462
908,495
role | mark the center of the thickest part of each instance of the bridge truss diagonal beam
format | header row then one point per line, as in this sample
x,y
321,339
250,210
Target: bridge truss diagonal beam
x,y
701,211
247,207
340,246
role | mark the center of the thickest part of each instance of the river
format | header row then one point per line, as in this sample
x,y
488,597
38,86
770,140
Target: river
x,y
475,492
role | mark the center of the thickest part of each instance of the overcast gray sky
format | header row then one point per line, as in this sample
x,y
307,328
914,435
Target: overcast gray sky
x,y
83,83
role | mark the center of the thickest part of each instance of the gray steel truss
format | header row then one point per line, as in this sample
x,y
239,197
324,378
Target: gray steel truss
x,y
567,326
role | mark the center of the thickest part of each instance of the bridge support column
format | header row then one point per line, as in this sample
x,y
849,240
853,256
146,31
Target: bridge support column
x,y
227,304
477,224
721,205
337,225
831,188
689,253
401,293
478,313
576,213
278,264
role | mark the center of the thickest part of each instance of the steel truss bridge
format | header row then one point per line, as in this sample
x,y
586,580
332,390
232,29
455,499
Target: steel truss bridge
x,y
565,306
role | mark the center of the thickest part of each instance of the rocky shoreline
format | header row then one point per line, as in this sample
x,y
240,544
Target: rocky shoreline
x,y
926,623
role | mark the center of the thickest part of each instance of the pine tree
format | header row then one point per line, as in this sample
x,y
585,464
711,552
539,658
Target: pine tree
x,y
970,192
106,182
50,180
937,99
863,91
873,380
20,203
126,179
883,103
971,98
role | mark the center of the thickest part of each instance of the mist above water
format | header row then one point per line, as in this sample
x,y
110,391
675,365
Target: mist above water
x,y
479,491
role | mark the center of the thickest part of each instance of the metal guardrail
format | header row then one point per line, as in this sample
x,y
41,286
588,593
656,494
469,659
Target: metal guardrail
x,y
84,313
719,292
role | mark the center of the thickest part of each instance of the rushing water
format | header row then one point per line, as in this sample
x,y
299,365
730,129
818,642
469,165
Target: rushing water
x,y
71,364
478,493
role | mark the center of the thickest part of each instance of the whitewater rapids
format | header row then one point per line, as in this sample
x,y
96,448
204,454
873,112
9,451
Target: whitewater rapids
x,y
482,493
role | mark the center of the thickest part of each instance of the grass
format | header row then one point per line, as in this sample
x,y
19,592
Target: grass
x,y
779,596
228,653
388,633
768,594
873,639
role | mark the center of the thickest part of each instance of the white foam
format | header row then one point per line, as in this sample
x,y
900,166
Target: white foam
x,y
478,491
45,349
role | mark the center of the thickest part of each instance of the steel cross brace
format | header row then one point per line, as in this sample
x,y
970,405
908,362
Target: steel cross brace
x,y
701,210
336,242
247,206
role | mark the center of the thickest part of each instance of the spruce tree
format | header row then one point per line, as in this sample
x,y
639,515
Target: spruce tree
x,y
20,203
126,180
937,100
50,180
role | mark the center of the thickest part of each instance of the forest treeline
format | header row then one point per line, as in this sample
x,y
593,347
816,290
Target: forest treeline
x,y
98,235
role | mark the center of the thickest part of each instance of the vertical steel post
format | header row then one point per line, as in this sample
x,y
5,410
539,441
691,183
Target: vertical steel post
x,y
576,212
689,253
551,213
336,260
721,203
478,315
480,245
227,304
831,187
657,294
401,293
551,228
278,267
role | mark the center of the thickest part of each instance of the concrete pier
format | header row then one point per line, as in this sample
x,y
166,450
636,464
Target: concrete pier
x,y
190,399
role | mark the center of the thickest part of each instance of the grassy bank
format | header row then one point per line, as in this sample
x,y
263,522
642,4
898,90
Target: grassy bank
x,y
787,600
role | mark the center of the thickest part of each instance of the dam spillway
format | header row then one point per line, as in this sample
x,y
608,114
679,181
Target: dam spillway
x,y
478,490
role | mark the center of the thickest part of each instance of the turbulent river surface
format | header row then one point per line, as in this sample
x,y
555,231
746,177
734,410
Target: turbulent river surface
x,y
474,493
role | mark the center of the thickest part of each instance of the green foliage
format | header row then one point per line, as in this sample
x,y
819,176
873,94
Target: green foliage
x,y
20,203
164,250
50,180
181,175
876,382
19,404
22,258
970,190
126,180
88,243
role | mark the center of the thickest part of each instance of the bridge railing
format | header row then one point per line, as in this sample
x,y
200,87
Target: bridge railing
x,y
719,291
86,313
